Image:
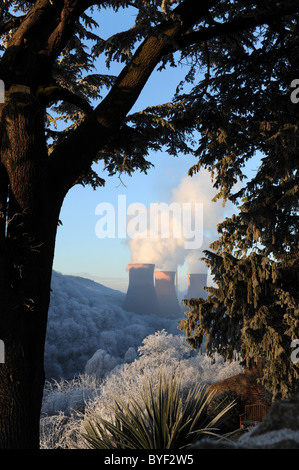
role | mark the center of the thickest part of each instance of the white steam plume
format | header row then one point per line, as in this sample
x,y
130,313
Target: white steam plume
x,y
170,252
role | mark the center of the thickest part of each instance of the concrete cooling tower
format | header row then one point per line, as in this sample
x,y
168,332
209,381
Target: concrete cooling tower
x,y
195,284
166,294
141,294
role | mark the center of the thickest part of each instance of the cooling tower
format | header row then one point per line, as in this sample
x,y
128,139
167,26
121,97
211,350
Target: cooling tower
x,y
166,294
195,284
141,294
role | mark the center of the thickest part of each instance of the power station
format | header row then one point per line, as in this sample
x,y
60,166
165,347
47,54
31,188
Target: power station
x,y
154,292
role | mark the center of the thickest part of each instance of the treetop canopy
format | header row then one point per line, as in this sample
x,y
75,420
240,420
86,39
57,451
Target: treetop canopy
x,y
218,43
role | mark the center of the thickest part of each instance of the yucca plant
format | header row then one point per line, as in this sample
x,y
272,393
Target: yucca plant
x,y
162,419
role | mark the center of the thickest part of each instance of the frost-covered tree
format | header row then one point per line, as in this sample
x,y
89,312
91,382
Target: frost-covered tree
x,y
58,121
253,308
68,403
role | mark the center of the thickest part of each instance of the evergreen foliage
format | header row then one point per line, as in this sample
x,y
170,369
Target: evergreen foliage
x,y
254,307
216,52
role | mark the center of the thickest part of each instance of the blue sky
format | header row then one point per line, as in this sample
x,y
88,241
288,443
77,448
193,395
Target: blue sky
x,y
78,250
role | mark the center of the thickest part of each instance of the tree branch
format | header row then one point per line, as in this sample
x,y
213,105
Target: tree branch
x,y
74,156
40,38
12,23
238,24
56,93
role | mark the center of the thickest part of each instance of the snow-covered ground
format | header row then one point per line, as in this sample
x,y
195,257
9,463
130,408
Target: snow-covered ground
x,y
95,350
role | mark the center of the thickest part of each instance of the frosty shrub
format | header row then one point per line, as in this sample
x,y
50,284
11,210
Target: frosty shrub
x,y
54,431
167,351
100,364
163,348
161,420
159,351
69,396
62,432
63,410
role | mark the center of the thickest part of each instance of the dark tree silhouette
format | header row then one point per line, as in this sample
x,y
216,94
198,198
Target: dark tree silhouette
x,y
49,74
253,309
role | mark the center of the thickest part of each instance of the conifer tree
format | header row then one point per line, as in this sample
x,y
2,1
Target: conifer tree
x,y
63,113
253,307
